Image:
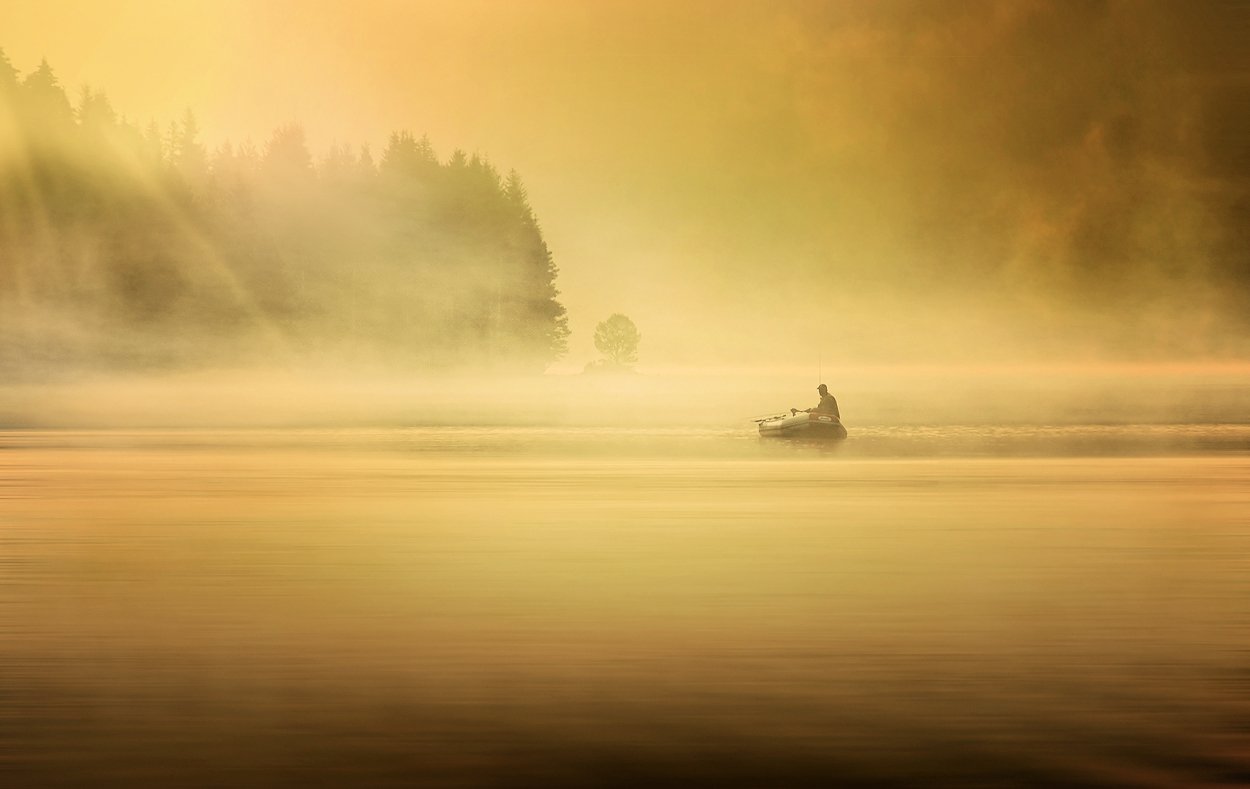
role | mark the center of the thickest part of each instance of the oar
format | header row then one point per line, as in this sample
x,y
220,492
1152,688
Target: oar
x,y
766,418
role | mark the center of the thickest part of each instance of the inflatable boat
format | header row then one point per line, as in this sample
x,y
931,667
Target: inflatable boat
x,y
803,425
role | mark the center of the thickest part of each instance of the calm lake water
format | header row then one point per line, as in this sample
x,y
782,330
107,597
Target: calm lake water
x,y
529,607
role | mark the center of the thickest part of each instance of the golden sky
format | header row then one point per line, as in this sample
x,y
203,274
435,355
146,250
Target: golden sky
x,y
762,171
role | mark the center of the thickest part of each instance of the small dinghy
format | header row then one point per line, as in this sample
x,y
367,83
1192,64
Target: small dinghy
x,y
803,425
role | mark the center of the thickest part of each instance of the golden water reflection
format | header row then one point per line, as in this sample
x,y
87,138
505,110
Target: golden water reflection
x,y
521,608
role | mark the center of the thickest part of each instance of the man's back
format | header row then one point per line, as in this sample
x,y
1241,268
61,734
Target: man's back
x,y
828,405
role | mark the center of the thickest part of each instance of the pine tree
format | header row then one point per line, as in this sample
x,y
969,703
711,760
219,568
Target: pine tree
x,y
45,100
8,75
287,159
154,145
187,153
247,158
338,166
95,112
406,158
518,197
365,168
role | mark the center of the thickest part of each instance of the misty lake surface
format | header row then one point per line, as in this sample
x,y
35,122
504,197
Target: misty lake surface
x,y
945,605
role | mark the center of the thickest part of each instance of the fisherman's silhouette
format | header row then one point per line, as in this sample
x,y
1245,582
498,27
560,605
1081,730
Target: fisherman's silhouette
x,y
828,404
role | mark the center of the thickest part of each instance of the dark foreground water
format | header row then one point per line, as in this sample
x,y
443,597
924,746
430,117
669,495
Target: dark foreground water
x,y
914,607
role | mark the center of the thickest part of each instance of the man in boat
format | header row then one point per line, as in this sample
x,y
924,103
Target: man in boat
x,y
828,404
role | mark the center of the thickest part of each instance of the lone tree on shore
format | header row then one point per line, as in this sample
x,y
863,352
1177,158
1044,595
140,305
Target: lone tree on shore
x,y
617,339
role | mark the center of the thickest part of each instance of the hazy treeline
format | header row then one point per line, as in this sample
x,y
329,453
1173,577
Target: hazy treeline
x,y
123,246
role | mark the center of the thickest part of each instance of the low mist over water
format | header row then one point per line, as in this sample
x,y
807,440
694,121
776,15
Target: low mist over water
x,y
880,397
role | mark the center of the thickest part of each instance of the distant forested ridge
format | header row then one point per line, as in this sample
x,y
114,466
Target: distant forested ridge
x,y
129,247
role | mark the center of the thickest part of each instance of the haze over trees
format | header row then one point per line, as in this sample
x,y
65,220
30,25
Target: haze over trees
x,y
128,247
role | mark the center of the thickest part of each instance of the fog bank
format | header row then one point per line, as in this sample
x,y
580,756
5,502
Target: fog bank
x,y
725,400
